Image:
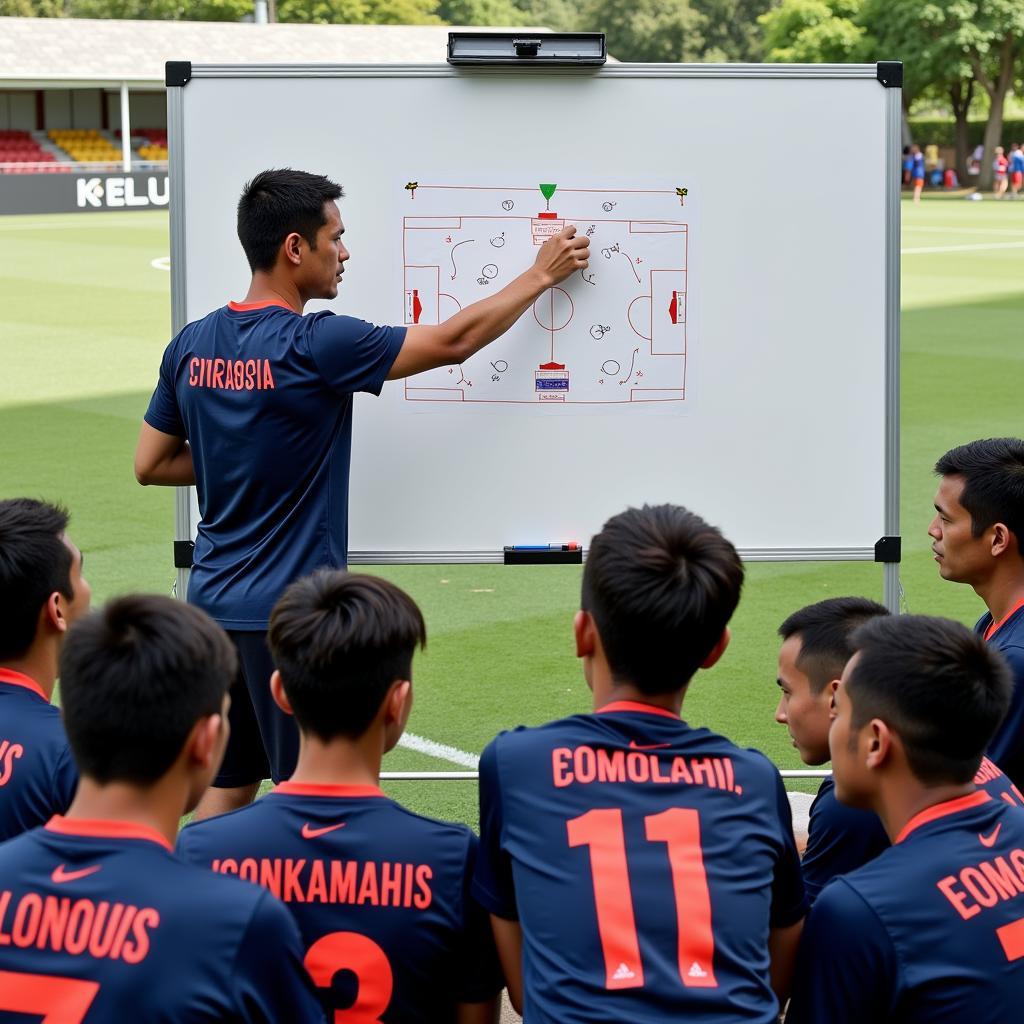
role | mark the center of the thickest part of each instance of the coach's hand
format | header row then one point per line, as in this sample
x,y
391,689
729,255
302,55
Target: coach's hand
x,y
562,255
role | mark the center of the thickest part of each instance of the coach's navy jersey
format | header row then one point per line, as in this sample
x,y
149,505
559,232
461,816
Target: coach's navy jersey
x,y
1007,636
264,397
37,776
840,838
931,930
100,923
381,897
645,861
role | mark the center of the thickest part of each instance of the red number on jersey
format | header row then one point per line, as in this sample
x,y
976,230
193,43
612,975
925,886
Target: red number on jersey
x,y
59,1000
679,829
350,951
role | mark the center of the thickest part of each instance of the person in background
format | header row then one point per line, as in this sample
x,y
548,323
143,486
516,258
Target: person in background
x,y
1000,168
42,592
917,171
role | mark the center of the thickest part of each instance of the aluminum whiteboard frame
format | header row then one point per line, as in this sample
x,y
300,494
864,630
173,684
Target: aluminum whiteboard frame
x,y
890,170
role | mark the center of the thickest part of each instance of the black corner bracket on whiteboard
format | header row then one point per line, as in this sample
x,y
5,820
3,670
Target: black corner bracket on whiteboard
x,y
890,73
888,549
183,551
177,72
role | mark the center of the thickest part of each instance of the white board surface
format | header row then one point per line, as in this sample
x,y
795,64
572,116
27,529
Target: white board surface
x,y
765,333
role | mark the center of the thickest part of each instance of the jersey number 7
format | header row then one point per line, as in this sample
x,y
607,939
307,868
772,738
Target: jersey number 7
x,y
679,828
56,999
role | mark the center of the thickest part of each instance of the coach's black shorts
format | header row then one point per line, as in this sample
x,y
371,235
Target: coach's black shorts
x,y
264,741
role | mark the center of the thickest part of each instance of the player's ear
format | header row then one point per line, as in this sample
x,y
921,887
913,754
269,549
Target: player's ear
x,y
585,631
203,743
277,692
397,705
880,743
292,248
719,649
1001,539
51,615
829,692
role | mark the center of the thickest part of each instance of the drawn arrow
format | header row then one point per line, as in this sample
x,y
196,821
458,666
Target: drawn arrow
x,y
631,363
631,267
465,242
589,280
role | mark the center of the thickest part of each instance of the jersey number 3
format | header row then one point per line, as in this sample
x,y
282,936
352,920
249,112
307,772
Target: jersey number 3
x,y
679,828
350,951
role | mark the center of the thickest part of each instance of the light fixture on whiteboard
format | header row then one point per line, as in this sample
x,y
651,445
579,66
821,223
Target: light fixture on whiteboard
x,y
523,49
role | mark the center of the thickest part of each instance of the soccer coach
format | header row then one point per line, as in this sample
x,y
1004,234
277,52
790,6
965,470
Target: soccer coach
x,y
253,405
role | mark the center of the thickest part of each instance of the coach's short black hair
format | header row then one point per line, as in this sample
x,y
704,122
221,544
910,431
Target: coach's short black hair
x,y
661,585
993,472
134,680
939,686
276,203
34,563
825,630
340,640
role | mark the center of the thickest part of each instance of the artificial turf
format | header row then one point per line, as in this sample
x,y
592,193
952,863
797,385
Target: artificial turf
x,y
84,317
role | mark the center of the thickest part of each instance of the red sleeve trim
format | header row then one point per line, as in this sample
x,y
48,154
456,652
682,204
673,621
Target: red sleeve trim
x,y
97,829
326,789
246,307
947,807
635,705
12,678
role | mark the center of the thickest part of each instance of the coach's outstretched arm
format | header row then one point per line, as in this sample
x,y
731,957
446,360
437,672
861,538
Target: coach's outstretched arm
x,y
454,341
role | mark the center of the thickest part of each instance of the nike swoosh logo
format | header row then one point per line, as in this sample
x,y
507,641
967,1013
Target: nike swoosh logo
x,y
648,746
308,832
60,875
990,840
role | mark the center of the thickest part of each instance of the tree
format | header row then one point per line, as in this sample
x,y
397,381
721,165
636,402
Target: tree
x,y
813,32
480,12
359,12
649,30
731,30
990,36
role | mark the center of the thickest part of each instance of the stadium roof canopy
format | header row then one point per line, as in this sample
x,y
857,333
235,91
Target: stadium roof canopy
x,y
38,53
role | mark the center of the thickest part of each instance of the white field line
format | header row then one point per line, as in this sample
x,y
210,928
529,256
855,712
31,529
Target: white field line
x,y
908,228
961,248
161,263
439,750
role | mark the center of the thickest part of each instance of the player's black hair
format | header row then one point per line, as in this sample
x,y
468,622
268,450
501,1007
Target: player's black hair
x,y
939,686
661,585
993,472
825,629
340,640
276,203
134,680
34,563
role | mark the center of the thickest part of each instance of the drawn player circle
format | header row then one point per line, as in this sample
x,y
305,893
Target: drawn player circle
x,y
610,367
499,366
488,273
554,309
598,331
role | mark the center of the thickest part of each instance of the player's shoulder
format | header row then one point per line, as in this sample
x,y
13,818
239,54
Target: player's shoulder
x,y
430,830
231,823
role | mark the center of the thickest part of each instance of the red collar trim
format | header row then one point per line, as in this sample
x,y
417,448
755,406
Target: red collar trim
x,y
247,307
326,789
95,829
12,678
635,705
947,807
994,627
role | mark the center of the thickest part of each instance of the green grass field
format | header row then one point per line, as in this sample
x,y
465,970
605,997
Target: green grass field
x,y
84,317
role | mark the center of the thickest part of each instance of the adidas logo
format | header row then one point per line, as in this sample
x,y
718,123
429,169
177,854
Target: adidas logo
x,y
623,973
696,971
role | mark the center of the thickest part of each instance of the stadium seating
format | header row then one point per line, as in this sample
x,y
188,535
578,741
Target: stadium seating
x,y
22,154
85,145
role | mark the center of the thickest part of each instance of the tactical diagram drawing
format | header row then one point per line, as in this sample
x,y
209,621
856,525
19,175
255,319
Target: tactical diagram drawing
x,y
613,334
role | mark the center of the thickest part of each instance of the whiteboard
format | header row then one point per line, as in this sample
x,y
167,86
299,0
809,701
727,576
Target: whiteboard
x,y
782,421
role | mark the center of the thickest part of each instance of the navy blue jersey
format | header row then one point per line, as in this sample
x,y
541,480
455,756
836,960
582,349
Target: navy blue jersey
x,y
37,776
264,397
917,165
100,922
381,896
1007,746
931,930
840,838
646,862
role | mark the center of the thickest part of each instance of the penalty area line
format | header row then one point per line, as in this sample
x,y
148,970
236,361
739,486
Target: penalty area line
x,y
441,751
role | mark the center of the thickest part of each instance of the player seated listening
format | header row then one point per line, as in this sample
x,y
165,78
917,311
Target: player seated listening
x,y
932,929
381,895
638,869
42,592
99,921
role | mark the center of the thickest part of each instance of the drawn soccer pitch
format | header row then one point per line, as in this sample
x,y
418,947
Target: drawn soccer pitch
x,y
613,334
